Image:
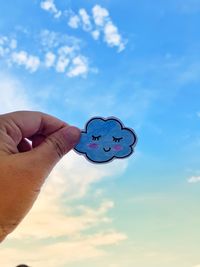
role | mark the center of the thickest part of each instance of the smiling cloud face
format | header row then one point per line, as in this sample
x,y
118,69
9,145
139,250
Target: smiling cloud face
x,y
106,139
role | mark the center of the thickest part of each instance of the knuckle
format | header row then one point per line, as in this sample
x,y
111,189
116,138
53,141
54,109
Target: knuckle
x,y
58,146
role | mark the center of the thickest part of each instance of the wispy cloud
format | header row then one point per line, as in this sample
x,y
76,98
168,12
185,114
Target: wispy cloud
x,y
7,45
52,217
194,179
62,253
50,6
65,184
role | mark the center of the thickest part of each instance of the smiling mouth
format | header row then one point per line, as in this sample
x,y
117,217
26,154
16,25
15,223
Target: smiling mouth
x,y
107,150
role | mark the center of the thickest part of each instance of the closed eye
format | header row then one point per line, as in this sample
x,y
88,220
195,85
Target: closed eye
x,y
96,138
117,140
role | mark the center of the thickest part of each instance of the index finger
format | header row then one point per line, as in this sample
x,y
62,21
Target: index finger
x,y
24,124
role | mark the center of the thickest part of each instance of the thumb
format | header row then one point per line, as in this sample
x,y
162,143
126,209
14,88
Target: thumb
x,y
55,146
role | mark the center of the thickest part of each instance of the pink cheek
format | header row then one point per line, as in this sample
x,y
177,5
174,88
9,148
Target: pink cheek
x,y
117,147
93,145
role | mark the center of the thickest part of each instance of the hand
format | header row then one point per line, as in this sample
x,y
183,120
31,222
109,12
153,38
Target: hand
x,y
24,165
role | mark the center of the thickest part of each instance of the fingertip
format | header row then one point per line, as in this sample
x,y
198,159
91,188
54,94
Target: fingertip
x,y
73,134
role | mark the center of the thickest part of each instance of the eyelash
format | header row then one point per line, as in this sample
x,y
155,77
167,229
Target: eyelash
x,y
117,140
96,138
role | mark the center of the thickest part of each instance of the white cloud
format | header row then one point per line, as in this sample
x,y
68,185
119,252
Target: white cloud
x,y
99,22
194,179
74,21
79,67
87,26
50,52
78,180
100,15
95,34
50,6
66,50
62,253
52,40
53,216
6,45
3,51
72,63
22,58
68,58
81,19
3,40
49,59
65,53
106,239
55,50
13,44
62,64
48,219
112,36
13,95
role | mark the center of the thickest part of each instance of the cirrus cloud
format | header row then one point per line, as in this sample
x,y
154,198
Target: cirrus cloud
x,y
194,179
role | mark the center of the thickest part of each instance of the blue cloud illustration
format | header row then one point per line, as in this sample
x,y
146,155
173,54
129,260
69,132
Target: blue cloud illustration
x,y
102,140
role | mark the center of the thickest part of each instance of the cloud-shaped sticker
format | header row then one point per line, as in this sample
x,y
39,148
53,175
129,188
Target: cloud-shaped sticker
x,y
103,140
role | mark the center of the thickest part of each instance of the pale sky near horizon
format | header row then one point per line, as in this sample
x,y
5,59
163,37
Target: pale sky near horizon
x,y
138,61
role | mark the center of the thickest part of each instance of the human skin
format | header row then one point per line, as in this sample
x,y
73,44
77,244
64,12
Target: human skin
x,y
24,165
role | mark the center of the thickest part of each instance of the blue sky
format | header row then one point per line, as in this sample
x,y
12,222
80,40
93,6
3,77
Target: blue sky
x,y
138,61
